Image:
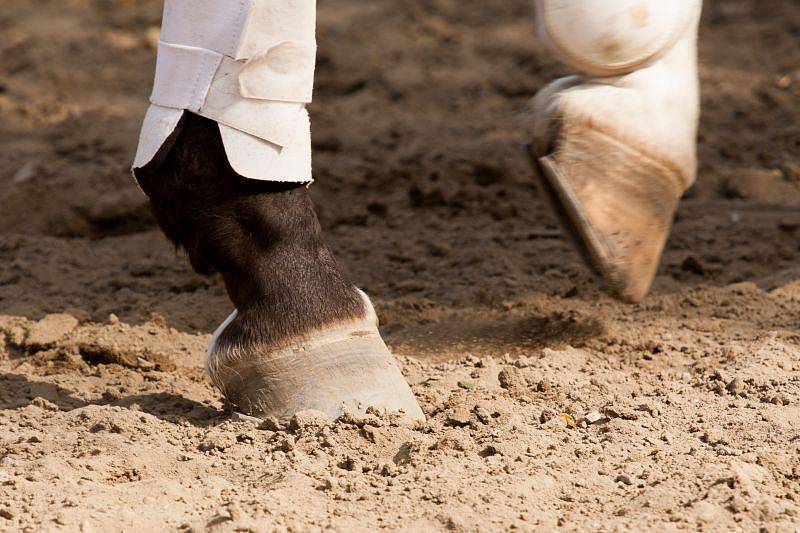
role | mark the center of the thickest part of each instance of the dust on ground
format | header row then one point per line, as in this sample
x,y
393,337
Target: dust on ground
x,y
549,404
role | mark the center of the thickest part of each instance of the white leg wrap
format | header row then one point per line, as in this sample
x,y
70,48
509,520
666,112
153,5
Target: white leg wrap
x,y
249,66
613,37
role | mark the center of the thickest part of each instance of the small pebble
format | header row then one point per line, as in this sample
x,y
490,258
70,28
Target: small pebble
x,y
593,417
43,403
624,478
239,417
736,386
466,384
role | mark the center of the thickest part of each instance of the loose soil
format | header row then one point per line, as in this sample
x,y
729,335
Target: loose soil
x,y
549,404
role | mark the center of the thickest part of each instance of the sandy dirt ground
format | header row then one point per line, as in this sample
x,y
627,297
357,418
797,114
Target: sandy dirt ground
x,y
549,404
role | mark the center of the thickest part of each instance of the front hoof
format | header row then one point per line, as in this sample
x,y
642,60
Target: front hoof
x,y
618,206
340,368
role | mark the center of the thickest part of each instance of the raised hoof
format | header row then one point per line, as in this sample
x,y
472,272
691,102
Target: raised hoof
x,y
617,204
344,367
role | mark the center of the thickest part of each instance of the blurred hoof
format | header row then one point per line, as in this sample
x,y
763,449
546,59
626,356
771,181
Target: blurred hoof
x,y
617,204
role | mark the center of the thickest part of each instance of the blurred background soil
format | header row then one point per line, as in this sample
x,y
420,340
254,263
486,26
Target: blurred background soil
x,y
108,422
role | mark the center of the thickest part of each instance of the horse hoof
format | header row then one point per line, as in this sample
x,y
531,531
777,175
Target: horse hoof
x,y
340,368
617,205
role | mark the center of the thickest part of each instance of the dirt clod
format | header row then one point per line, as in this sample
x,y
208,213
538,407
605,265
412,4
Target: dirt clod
x,y
48,331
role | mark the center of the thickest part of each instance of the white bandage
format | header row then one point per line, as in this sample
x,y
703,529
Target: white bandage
x,y
613,37
249,66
